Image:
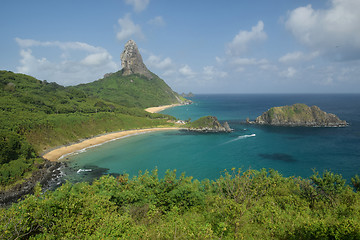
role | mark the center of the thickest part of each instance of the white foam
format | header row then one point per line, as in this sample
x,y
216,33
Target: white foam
x,y
241,137
83,170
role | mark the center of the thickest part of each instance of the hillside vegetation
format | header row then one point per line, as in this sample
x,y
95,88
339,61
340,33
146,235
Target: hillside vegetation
x,y
133,90
238,205
36,115
299,115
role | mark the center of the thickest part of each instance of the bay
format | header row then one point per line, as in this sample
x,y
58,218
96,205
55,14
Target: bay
x,y
293,151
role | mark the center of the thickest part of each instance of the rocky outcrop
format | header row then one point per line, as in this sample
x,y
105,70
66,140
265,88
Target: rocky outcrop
x,y
299,115
132,61
208,124
45,173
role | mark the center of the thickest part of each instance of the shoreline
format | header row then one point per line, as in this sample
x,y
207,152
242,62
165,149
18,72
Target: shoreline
x,y
63,151
161,108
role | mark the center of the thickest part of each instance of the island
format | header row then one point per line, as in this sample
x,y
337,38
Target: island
x,y
208,124
299,115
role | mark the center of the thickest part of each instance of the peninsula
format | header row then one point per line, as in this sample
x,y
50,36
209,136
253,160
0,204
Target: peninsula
x,y
299,115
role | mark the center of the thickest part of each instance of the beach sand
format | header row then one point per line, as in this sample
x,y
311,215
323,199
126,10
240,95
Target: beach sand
x,y
161,108
55,154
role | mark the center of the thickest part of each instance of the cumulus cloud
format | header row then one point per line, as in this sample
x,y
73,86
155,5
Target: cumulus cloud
x,y
154,61
138,5
244,39
128,29
27,43
83,63
249,61
210,72
289,72
157,21
186,71
335,31
298,56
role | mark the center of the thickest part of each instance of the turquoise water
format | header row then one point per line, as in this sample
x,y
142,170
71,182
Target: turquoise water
x,y
291,151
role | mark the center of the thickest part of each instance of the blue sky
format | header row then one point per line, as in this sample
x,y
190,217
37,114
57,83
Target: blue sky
x,y
210,46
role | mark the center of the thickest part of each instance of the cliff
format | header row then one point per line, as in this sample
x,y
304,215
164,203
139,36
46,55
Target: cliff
x,y
134,85
132,61
208,124
299,115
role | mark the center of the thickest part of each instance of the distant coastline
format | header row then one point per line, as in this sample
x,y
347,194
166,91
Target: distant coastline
x,y
63,151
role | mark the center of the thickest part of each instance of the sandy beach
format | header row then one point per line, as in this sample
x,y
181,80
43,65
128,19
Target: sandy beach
x,y
161,108
55,154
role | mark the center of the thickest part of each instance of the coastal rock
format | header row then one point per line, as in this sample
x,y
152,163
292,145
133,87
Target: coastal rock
x,y
299,115
209,124
132,61
45,173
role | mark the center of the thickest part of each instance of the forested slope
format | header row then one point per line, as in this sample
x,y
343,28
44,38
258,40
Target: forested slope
x,y
132,90
36,115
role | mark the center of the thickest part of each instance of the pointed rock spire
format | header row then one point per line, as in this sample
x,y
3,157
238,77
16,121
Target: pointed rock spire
x,y
132,62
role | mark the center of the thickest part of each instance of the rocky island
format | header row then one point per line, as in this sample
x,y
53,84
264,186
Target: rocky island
x,y
299,115
208,124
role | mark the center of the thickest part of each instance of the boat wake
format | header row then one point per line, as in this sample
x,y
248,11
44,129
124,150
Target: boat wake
x,y
83,170
240,137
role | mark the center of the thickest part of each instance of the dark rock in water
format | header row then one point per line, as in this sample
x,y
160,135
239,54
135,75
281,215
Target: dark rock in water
x,y
278,157
132,61
299,115
45,173
209,124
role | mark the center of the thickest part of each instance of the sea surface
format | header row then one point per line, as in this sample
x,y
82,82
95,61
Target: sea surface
x,y
293,151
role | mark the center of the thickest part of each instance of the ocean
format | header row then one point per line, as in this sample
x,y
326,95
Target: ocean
x,y
292,151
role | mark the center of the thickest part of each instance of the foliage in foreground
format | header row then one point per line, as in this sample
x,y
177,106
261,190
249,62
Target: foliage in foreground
x,y
239,205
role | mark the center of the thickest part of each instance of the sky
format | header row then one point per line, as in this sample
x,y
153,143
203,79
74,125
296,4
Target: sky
x,y
203,46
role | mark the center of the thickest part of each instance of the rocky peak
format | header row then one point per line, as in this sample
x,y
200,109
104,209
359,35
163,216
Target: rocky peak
x,y
132,61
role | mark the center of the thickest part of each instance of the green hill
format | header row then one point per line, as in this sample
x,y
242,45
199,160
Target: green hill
x,y
299,115
133,90
134,85
36,115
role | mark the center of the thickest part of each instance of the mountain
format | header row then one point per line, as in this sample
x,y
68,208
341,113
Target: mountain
x,y
299,115
134,85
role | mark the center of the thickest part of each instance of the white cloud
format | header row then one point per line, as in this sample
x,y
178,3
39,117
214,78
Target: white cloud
x,y
220,60
97,59
128,29
334,32
157,21
28,43
138,5
77,62
210,72
289,72
298,56
186,71
248,61
243,39
154,61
